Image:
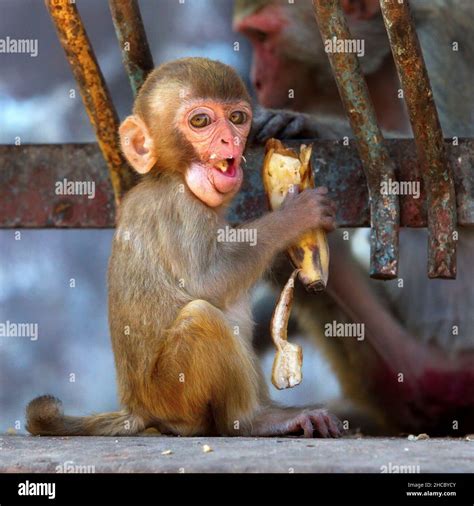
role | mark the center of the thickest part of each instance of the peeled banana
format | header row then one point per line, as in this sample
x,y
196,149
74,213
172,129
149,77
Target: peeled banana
x,y
282,168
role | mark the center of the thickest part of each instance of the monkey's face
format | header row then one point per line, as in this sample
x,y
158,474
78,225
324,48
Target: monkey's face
x,y
192,118
271,72
217,132
286,49
290,67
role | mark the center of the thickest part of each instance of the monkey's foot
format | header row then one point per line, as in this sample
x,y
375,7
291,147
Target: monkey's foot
x,y
316,423
305,422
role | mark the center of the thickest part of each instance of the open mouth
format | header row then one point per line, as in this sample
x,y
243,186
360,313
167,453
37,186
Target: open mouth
x,y
227,167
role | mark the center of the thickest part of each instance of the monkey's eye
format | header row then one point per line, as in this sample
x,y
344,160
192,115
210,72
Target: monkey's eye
x,y
238,117
200,120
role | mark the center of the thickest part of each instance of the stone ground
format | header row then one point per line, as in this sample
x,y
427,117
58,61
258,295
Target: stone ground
x,y
233,455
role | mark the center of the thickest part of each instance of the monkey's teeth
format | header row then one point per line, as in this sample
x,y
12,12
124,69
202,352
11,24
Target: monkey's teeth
x,y
222,166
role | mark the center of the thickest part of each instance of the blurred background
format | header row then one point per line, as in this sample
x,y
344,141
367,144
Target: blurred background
x,y
72,357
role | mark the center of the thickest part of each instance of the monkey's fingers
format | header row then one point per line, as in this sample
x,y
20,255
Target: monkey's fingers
x,y
328,223
325,424
334,425
270,123
273,128
294,128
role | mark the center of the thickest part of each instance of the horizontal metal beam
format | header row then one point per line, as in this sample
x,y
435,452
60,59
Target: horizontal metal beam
x,y
29,177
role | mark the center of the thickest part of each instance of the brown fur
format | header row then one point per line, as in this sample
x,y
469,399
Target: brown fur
x,y
164,86
179,308
45,417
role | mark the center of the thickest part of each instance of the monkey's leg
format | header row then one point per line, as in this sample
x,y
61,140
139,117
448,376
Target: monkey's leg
x,y
365,367
207,380
350,359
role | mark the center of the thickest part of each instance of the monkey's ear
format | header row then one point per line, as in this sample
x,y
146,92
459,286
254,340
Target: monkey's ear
x,y
137,144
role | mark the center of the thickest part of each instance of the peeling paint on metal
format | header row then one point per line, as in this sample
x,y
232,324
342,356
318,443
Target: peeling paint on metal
x,y
28,174
94,92
435,169
136,55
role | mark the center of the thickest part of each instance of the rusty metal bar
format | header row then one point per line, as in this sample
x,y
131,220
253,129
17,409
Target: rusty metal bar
x,y
29,175
136,55
428,137
378,168
29,180
95,94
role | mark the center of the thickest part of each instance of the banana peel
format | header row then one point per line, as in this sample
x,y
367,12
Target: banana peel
x,y
288,361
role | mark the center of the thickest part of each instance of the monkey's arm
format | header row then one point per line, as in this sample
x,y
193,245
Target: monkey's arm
x,y
236,266
233,267
389,339
287,125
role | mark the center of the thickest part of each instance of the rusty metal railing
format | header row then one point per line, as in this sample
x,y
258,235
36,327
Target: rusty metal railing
x,y
25,203
436,173
429,140
94,91
136,55
387,212
377,165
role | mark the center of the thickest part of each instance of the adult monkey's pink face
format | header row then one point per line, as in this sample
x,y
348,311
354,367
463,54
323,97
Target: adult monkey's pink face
x,y
272,72
288,52
218,132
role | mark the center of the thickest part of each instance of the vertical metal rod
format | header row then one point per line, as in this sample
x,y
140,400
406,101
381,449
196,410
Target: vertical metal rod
x,y
136,55
377,165
95,94
439,186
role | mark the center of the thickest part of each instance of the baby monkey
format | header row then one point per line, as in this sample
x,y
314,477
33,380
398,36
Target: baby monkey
x,y
179,308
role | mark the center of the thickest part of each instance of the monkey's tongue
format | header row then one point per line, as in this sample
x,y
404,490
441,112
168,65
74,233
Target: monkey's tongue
x,y
225,181
227,167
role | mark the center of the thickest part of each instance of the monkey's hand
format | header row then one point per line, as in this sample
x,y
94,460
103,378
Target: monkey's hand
x,y
312,208
268,123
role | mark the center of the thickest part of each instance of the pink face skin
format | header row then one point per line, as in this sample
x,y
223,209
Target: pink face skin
x,y
271,72
218,132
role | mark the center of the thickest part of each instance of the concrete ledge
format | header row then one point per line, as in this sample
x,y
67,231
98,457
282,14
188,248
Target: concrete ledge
x,y
233,455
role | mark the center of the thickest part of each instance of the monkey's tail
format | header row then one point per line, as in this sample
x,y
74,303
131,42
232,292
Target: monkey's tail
x,y
45,417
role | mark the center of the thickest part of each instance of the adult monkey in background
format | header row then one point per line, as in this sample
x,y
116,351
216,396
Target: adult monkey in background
x,y
288,54
179,309
424,329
